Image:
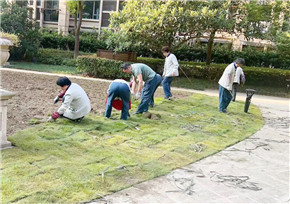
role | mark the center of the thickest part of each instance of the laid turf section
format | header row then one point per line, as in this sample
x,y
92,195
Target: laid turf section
x,y
69,162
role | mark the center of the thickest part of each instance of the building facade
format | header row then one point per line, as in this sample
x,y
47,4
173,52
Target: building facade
x,y
53,14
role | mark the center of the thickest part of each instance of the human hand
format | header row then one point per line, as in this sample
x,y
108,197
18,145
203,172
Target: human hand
x,y
137,96
55,115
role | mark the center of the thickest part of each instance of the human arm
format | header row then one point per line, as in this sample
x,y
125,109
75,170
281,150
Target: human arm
x,y
174,65
65,105
140,85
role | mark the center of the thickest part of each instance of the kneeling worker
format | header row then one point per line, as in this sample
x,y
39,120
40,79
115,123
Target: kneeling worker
x,y
119,98
75,102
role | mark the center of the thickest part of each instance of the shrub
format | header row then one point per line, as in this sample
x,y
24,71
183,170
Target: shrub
x,y
101,67
14,20
89,42
254,75
56,57
252,56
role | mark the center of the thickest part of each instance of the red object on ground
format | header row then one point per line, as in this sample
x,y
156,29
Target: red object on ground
x,y
118,104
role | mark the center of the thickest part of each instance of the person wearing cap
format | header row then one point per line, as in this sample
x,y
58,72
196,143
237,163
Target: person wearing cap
x,y
239,76
170,71
152,80
75,102
119,98
226,83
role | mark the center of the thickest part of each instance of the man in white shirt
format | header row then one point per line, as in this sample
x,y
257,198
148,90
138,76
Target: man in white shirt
x,y
226,82
170,71
75,102
238,77
119,91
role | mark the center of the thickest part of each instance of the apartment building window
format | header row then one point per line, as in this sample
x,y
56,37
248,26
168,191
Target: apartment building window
x,y
38,14
121,5
91,10
51,10
109,5
38,2
31,2
105,20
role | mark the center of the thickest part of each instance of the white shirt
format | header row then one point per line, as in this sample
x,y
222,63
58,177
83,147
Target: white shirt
x,y
239,73
76,103
228,76
171,66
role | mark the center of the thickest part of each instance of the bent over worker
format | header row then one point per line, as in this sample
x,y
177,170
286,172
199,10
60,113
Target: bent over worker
x,y
75,102
152,80
226,82
119,91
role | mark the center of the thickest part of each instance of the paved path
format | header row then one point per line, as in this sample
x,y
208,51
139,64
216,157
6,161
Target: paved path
x,y
255,170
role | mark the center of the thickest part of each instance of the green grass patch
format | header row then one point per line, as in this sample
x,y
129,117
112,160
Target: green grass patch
x,y
63,161
62,69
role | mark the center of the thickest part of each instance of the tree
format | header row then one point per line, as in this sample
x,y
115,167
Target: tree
x,y
264,20
173,23
76,9
14,20
221,18
158,23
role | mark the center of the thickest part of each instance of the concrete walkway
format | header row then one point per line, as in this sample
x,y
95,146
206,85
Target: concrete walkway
x,y
255,170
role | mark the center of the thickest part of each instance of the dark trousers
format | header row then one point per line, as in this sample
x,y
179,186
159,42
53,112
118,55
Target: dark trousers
x,y
235,90
147,96
225,98
122,91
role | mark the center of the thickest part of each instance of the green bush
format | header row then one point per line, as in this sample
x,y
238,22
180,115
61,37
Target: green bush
x,y
252,56
101,67
89,42
15,20
254,75
56,57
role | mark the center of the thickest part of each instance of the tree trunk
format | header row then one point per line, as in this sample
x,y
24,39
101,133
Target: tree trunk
x,y
77,29
209,47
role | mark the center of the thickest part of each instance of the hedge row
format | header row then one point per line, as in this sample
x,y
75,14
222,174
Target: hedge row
x,y
101,67
110,69
90,42
254,75
252,56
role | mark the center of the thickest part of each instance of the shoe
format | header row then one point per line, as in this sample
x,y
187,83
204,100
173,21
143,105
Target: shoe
x,y
223,111
168,98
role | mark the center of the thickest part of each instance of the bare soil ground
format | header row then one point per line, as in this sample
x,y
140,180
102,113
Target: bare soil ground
x,y
35,94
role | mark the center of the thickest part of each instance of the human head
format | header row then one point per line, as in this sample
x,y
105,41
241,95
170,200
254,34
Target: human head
x,y
63,82
126,68
165,51
240,62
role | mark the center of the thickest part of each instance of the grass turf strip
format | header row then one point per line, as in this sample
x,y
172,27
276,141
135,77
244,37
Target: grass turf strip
x,y
73,162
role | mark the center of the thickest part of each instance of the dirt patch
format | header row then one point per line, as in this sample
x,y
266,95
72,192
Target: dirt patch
x,y
35,94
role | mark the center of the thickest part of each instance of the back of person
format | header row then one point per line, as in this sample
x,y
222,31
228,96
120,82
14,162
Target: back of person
x,y
225,81
80,104
140,68
238,75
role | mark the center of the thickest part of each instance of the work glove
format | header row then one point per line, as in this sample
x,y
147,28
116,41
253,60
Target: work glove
x,y
137,96
55,115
